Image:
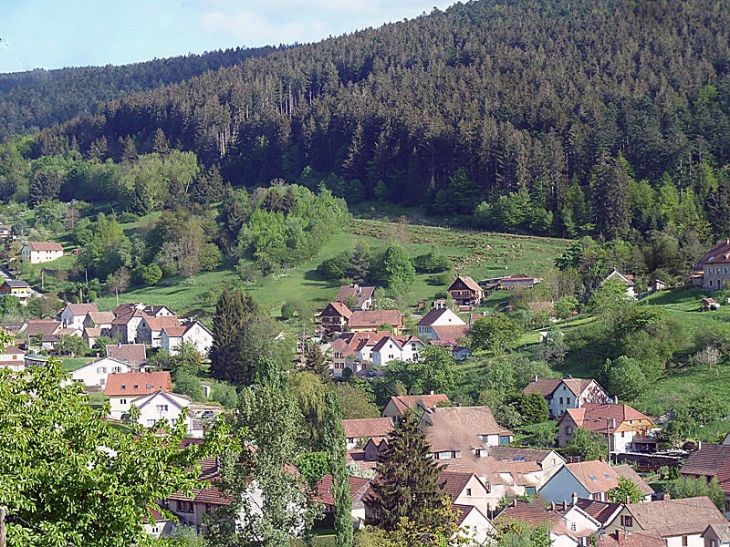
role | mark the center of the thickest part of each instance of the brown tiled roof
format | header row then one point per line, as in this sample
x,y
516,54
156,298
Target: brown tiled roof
x,y
602,511
627,472
468,281
339,308
631,539
12,350
707,461
452,483
82,309
543,386
514,453
93,332
41,326
101,317
323,491
458,427
677,517
431,317
415,402
596,416
534,512
45,246
137,383
367,427
595,475
363,294
721,531
719,254
450,334
134,354
175,331
375,318
400,341
577,385
159,323
463,511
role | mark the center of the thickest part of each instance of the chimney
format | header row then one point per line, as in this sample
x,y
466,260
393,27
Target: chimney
x,y
514,502
574,498
552,506
600,458
536,377
666,497
628,500
565,505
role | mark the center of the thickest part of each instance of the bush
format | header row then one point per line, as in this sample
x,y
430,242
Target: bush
x,y
432,263
225,394
127,217
288,311
439,280
187,384
210,257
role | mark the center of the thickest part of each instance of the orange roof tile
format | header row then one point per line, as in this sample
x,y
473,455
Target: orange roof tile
x,y
137,383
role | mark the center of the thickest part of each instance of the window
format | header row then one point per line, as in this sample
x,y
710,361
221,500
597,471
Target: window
x,y
727,506
710,282
116,369
530,490
561,400
102,382
592,477
627,521
468,492
684,541
155,530
567,401
124,386
136,386
122,401
150,423
161,408
713,543
573,526
185,506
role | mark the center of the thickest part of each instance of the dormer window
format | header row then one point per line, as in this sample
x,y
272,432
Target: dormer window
x,y
136,386
124,386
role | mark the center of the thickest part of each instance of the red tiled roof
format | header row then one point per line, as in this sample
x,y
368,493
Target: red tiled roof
x,y
711,460
453,483
450,334
543,386
468,282
323,491
432,316
159,323
596,416
40,326
424,402
338,308
101,317
12,350
363,294
458,427
630,539
719,254
597,476
137,383
45,246
367,427
463,511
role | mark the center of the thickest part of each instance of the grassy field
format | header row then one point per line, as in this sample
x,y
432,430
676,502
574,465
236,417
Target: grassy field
x,y
477,254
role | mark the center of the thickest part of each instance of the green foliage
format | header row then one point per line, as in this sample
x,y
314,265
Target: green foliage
x,y
149,275
587,445
313,466
355,403
626,489
689,487
75,346
397,272
225,394
187,384
94,455
494,333
533,408
434,371
544,434
565,306
432,263
309,392
626,378
334,439
515,533
211,257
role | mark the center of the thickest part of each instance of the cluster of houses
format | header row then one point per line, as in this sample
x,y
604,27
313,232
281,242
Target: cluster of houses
x,y
480,469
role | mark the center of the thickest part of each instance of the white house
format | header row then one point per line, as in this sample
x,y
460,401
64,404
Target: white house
x,y
396,348
149,330
12,358
122,389
72,315
591,480
163,405
442,326
473,525
95,374
41,251
192,332
624,279
564,393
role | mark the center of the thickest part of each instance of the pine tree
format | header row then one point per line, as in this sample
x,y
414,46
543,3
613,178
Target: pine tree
x,y
225,351
408,488
316,363
334,439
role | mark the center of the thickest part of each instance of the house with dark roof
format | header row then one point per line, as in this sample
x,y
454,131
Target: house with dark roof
x,y
99,320
465,488
135,355
712,271
13,358
361,296
717,535
357,350
591,480
323,494
625,428
192,510
621,538
334,317
567,525
443,327
17,288
679,521
518,282
708,462
72,315
366,429
375,320
400,404
41,251
564,393
149,330
465,291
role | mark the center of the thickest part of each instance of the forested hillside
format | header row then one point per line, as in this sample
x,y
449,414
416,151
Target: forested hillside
x,y
40,98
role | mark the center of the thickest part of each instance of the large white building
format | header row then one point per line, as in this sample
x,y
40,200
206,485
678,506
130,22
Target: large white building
x,y
41,251
95,374
122,389
192,332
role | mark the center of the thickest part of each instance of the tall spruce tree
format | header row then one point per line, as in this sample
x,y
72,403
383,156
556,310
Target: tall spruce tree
x,y
224,352
407,491
315,362
334,440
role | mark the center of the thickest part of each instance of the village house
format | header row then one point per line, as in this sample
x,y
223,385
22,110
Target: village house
x,y
41,251
625,428
465,291
149,330
708,462
334,317
122,389
190,332
568,525
473,525
12,358
712,271
72,315
396,348
625,279
590,479
323,494
6,231
465,488
564,393
39,330
90,335
603,511
717,535
680,522
127,318
17,288
361,296
376,320
400,404
443,327
458,431
630,539
360,431
94,374
164,406
357,350
99,320
135,355
518,282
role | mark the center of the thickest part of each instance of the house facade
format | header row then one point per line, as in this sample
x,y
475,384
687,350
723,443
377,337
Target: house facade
x,y
708,462
12,358
163,406
442,326
396,348
590,480
626,280
41,251
375,320
191,332
17,288
712,271
465,291
72,315
362,296
334,317
564,393
149,330
122,389
95,374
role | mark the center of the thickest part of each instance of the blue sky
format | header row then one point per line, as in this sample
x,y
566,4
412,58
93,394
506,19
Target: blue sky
x,y
60,33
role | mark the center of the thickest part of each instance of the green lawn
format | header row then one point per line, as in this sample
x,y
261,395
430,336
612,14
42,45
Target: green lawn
x,y
71,364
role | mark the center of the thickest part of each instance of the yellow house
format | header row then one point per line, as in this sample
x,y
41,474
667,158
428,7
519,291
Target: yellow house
x,y
17,288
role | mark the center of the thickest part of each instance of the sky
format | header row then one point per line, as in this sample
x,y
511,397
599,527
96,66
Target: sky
x,y
63,33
